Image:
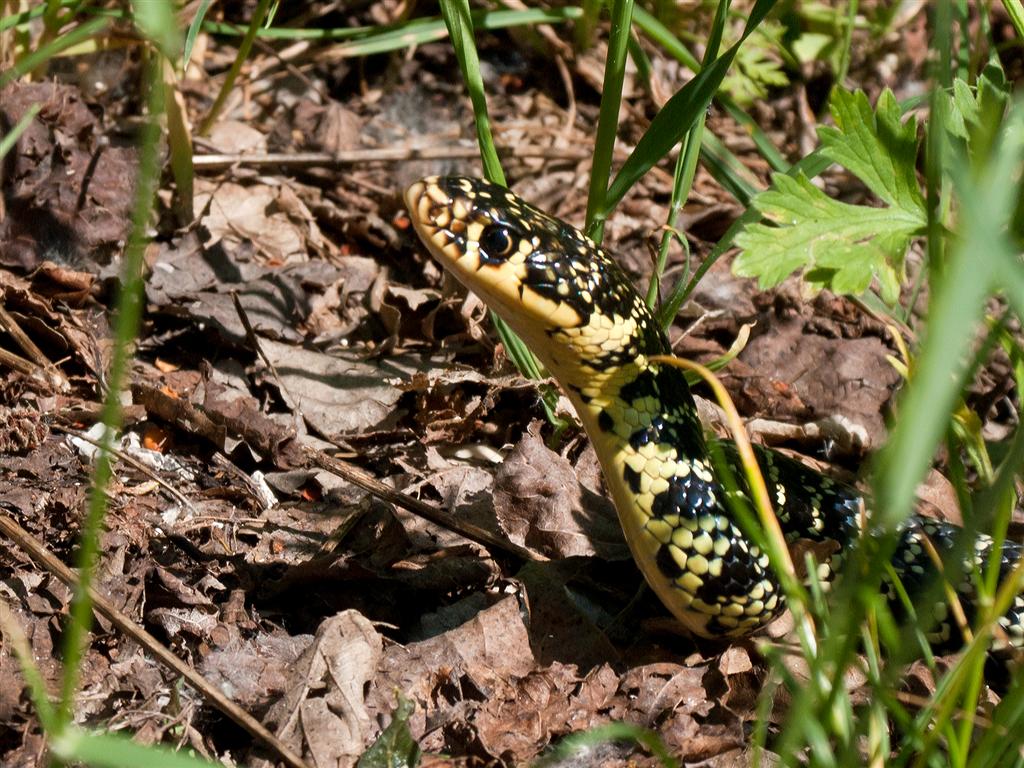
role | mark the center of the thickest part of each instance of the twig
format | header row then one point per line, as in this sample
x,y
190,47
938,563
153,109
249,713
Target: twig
x,y
105,608
383,155
175,494
438,516
199,422
37,365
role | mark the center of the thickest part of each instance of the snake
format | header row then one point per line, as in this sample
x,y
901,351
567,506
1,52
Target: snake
x,y
579,313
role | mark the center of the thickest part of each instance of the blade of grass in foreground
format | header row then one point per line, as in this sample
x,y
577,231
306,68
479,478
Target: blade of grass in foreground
x,y
678,115
459,22
129,310
977,265
608,119
686,165
75,36
587,740
8,140
399,36
259,14
111,750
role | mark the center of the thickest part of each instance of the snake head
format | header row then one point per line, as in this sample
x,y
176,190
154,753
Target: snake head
x,y
539,274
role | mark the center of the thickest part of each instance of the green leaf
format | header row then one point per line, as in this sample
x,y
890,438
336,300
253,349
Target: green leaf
x,y
876,148
678,115
841,245
975,115
838,245
757,67
116,750
395,747
157,22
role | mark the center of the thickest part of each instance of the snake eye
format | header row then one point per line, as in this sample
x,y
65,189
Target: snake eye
x,y
495,241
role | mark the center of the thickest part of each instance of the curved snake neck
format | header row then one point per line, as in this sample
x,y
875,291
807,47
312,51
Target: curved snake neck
x,y
576,309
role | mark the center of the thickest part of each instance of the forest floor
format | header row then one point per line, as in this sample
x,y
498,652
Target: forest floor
x,y
295,314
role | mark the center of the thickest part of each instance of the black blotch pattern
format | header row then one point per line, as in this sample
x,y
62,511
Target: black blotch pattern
x,y
605,421
667,564
677,424
685,496
738,577
838,506
658,431
632,478
643,385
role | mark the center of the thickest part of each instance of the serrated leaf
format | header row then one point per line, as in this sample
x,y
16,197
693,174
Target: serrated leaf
x,y
841,245
975,114
395,747
811,46
838,245
964,110
875,146
757,66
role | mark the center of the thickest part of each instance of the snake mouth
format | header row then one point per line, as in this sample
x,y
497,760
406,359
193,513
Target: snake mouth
x,y
459,226
435,217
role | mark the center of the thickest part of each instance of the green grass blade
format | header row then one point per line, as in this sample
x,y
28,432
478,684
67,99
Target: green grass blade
x,y
111,750
8,140
587,740
671,44
608,119
259,15
396,37
420,31
459,22
73,37
193,32
1015,11
126,323
764,145
678,115
983,259
156,21
18,19
727,170
15,639
686,163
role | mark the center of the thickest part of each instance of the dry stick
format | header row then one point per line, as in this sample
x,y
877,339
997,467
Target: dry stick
x,y
104,607
28,346
19,363
368,482
436,515
250,334
386,155
38,366
174,493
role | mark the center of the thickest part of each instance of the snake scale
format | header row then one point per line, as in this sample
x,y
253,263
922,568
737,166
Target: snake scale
x,y
578,312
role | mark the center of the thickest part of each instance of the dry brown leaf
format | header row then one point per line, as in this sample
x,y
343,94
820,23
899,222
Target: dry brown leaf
x,y
540,503
322,715
255,214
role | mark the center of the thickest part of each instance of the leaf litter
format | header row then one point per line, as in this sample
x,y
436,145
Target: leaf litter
x,y
328,613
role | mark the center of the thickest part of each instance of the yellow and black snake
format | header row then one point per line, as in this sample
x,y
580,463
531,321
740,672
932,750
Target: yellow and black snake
x,y
576,309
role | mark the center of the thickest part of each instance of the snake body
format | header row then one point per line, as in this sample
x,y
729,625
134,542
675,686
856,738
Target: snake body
x,y
576,309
